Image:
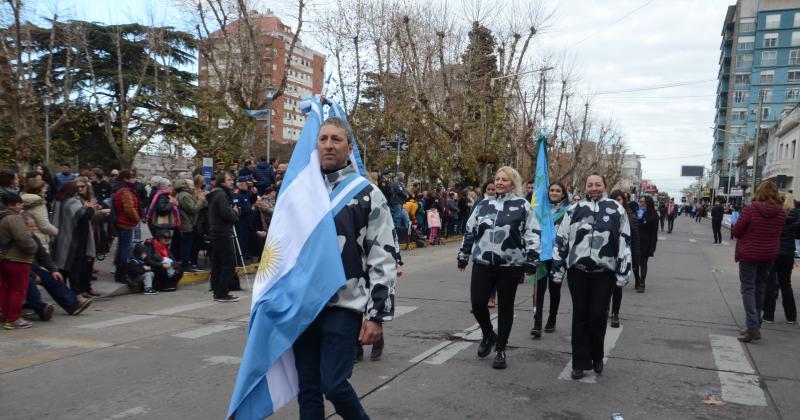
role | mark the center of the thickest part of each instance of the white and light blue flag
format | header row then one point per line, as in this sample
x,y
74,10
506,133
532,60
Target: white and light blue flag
x,y
300,270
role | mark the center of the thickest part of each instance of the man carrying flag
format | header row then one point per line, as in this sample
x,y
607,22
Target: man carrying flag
x,y
328,262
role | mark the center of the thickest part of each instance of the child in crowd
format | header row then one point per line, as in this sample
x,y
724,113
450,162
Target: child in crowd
x,y
434,223
140,271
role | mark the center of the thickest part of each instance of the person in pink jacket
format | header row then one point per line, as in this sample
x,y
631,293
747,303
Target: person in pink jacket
x,y
434,223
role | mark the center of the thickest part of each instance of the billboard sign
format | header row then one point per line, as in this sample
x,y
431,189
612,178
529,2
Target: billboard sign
x,y
693,171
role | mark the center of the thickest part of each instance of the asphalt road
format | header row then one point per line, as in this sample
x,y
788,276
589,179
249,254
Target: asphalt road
x,y
175,355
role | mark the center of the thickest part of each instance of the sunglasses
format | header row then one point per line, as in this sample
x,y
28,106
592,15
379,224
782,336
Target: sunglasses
x,y
81,186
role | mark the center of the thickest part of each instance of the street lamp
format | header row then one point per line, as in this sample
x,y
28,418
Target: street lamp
x,y
46,101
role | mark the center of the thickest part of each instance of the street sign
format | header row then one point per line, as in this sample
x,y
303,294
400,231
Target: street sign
x,y
691,171
208,170
736,192
392,146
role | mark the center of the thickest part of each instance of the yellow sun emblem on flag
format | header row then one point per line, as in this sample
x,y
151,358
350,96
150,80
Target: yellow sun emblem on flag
x,y
533,201
270,259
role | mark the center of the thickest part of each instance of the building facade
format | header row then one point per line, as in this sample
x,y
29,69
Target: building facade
x,y
631,177
759,76
305,75
782,156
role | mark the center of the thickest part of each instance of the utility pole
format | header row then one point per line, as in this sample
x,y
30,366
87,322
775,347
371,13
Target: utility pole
x,y
758,138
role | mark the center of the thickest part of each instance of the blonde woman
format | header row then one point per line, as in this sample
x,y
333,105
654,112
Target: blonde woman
x,y
502,239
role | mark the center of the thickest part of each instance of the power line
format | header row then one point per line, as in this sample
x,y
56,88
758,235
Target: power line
x,y
614,22
659,97
655,87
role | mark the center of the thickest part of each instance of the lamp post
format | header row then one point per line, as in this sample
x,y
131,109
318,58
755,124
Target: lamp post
x,y
46,102
270,94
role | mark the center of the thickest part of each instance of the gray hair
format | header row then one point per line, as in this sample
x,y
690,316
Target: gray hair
x,y
339,123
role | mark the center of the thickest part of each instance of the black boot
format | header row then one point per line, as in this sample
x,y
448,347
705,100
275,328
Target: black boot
x,y
598,367
377,350
536,331
551,324
485,347
614,321
499,359
577,374
359,353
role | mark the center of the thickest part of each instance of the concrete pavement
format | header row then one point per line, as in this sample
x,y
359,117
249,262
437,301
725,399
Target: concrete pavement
x,y
175,355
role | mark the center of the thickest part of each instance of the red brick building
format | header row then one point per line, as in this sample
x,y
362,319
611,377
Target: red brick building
x,y
305,77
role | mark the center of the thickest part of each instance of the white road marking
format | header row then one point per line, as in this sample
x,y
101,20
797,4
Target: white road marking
x,y
662,238
736,375
204,331
692,240
184,308
448,352
128,413
223,360
726,243
612,335
65,343
424,355
402,310
117,321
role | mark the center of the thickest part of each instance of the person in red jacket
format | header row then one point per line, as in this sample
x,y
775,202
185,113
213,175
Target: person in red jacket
x,y
127,208
758,231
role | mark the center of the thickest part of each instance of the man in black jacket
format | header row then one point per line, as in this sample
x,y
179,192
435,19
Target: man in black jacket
x,y
222,215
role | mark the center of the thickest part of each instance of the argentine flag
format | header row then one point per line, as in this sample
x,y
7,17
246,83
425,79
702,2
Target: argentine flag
x,y
540,201
300,269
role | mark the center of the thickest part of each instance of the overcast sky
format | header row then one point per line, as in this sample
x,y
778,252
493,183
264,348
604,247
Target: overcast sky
x,y
666,41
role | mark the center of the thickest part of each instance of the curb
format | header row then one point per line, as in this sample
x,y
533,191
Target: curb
x,y
199,276
413,245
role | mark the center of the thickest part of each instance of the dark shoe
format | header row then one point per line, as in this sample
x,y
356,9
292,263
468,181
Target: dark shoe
x,y
748,336
536,331
614,321
92,293
228,298
768,320
577,374
150,291
485,347
499,360
81,307
377,351
640,289
551,324
791,321
598,367
359,353
47,313
170,289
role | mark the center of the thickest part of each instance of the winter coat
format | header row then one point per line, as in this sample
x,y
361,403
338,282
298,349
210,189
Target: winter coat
x,y
221,215
595,237
502,231
36,206
102,190
264,174
662,211
15,238
369,251
42,258
434,221
74,238
162,213
188,204
636,240
399,194
758,232
411,207
7,190
790,232
648,234
62,177
126,206
717,212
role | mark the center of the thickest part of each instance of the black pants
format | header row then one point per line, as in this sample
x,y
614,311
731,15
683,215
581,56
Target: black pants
x,y
555,297
716,226
783,268
616,300
223,265
642,270
506,279
670,223
661,219
591,293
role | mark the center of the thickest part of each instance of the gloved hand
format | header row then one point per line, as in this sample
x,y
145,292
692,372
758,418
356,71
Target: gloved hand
x,y
462,264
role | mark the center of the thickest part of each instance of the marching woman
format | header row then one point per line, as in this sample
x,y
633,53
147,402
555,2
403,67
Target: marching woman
x,y
648,236
502,238
559,204
616,297
593,246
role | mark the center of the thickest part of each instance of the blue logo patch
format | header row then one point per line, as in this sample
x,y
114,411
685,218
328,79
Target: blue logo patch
x,y
606,218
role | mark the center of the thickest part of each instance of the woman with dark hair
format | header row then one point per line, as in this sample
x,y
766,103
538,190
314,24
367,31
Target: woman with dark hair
x,y
73,248
593,247
648,236
758,231
559,205
9,182
616,297
783,266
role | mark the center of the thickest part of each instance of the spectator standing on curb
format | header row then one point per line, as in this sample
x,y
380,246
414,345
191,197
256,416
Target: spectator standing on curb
x,y
35,205
18,247
780,279
222,216
716,220
264,174
190,201
65,175
127,212
758,232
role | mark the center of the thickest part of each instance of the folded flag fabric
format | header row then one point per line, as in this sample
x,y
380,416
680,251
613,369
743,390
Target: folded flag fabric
x,y
540,201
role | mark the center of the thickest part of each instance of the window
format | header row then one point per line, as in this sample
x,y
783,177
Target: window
x,y
794,76
747,25
740,96
792,94
746,43
742,79
796,19
765,95
794,148
795,39
767,76
765,113
773,21
739,114
794,57
769,58
770,40
744,60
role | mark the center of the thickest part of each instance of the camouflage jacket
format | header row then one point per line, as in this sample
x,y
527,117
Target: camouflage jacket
x,y
369,251
501,231
594,237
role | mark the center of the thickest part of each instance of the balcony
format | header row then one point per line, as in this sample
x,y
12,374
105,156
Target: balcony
x,y
788,122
